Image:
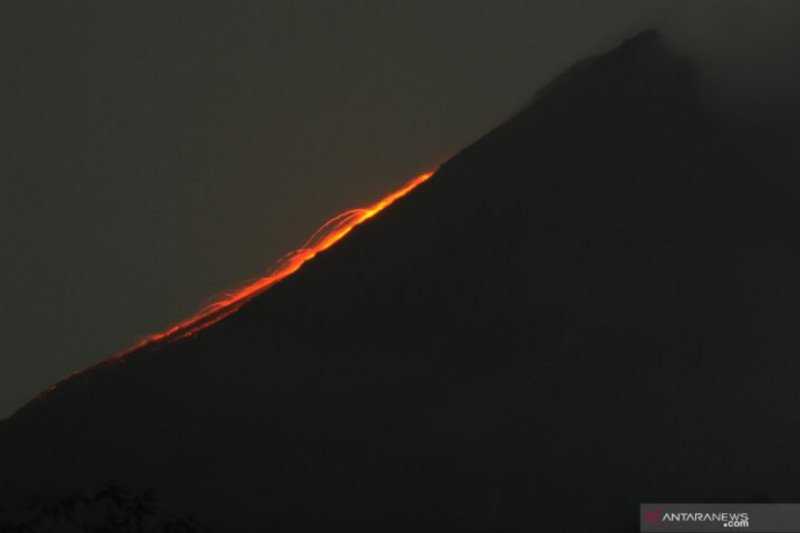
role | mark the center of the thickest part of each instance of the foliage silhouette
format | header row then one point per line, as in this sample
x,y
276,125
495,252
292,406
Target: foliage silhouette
x,y
110,509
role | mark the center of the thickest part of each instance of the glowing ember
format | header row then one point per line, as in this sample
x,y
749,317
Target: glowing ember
x,y
325,237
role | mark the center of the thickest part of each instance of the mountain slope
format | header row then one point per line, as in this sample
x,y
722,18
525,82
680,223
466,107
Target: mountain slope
x,y
585,309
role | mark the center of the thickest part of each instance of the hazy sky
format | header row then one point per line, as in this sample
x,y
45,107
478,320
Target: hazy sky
x,y
162,152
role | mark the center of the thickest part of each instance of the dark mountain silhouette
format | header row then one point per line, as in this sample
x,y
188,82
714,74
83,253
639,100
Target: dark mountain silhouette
x,y
590,307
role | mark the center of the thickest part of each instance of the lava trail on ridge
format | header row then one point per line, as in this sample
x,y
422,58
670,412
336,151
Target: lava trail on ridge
x,y
326,236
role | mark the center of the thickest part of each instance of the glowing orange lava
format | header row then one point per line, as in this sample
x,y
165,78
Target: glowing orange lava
x,y
325,237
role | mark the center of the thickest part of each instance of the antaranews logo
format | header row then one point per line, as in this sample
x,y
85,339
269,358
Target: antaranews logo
x,y
721,517
653,517
727,520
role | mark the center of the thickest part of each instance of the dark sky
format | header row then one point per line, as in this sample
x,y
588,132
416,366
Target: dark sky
x,y
162,152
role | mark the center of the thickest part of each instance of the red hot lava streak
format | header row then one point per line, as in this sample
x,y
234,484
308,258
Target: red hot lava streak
x,y
326,236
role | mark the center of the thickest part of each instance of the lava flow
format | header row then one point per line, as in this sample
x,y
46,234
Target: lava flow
x,y
325,237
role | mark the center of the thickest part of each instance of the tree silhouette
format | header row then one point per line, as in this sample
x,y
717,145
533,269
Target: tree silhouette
x,y
113,508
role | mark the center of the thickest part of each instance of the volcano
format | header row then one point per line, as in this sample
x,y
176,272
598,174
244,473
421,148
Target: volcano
x,y
590,307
